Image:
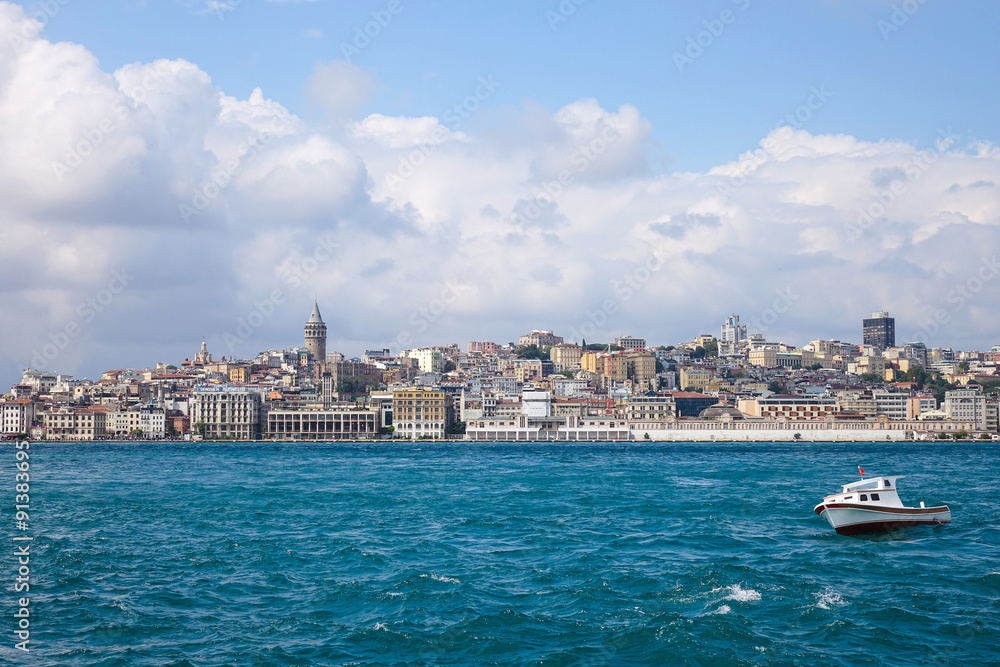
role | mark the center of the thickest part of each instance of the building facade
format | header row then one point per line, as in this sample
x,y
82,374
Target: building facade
x,y
966,404
540,339
421,413
226,412
327,424
630,343
878,330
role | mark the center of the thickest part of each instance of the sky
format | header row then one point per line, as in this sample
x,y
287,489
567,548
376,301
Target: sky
x,y
434,173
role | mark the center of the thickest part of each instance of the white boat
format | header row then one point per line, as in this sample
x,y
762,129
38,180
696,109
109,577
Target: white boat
x,y
872,505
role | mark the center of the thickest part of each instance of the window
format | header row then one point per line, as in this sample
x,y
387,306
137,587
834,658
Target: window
x,y
888,484
874,496
863,498
846,498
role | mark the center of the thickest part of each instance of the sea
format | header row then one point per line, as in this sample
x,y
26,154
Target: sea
x,y
498,554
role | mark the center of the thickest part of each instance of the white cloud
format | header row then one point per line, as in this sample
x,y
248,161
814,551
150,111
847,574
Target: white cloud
x,y
483,209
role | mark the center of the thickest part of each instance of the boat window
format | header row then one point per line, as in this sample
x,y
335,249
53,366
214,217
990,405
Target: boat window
x,y
874,496
848,497
888,484
863,498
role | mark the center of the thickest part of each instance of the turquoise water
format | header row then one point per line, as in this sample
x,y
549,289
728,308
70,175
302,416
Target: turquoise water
x,y
519,554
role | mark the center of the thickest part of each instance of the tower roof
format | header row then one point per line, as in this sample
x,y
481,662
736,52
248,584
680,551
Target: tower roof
x,y
315,318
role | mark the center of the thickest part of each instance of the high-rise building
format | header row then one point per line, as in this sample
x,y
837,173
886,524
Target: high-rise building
x,y
879,330
316,335
733,333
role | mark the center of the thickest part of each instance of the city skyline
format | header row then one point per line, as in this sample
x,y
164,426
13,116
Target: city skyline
x,y
157,191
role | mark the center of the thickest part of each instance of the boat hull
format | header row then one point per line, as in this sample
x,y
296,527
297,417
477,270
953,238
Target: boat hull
x,y
853,519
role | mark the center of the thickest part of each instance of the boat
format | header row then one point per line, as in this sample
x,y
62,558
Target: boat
x,y
873,505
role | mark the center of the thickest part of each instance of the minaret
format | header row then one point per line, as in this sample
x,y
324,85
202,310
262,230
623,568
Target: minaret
x,y
316,335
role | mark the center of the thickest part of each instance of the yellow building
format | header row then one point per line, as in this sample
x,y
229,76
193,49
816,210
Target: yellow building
x,y
696,377
239,374
591,361
616,367
421,412
641,368
566,356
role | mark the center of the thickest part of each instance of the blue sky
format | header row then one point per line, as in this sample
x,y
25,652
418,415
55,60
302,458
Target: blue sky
x,y
937,70
211,155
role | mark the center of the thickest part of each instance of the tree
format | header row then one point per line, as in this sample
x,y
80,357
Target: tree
x,y
601,347
531,352
201,428
963,366
699,353
450,366
815,367
961,434
659,366
456,428
984,436
566,374
712,348
774,387
135,433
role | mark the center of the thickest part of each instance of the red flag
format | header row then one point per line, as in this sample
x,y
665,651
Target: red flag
x,y
861,470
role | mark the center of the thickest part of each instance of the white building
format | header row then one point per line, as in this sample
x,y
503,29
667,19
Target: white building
x,y
630,343
429,359
227,412
41,382
536,404
16,416
732,335
153,422
892,404
966,404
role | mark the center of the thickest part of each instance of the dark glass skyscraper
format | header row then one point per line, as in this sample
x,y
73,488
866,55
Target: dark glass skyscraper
x,y
879,330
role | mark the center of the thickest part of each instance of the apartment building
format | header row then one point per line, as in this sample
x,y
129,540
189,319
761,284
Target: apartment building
x,y
75,423
227,412
421,413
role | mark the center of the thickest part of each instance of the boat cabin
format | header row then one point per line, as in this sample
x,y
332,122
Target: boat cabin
x,y
876,490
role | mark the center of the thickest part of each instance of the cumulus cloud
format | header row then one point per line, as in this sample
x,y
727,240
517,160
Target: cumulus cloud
x,y
210,208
